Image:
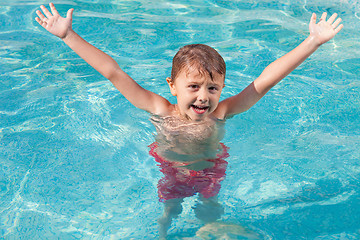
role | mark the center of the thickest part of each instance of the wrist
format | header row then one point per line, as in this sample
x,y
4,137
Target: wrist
x,y
68,35
313,41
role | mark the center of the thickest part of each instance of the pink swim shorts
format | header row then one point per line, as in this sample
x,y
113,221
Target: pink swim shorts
x,y
180,183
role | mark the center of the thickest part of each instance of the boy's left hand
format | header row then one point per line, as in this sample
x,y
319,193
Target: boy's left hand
x,y
324,30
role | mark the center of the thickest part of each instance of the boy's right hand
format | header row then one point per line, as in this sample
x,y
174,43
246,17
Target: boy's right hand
x,y
53,22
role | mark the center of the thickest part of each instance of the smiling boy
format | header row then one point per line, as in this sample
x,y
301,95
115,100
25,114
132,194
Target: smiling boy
x,y
197,79
189,132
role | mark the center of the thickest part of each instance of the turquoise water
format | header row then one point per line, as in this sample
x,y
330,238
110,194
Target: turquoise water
x,y
74,160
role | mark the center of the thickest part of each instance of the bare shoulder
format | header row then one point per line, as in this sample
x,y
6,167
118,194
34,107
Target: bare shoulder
x,y
221,110
163,107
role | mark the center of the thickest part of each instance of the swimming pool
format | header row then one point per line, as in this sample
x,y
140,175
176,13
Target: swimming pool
x,y
74,160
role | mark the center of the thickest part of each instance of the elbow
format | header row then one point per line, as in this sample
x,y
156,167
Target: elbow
x,y
111,72
261,88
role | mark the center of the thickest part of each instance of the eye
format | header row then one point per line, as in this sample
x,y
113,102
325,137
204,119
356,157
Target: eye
x,y
194,86
213,89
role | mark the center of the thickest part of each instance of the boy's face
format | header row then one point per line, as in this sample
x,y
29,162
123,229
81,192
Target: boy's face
x,y
197,94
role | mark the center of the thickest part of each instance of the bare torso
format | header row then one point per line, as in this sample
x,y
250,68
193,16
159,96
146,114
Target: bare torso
x,y
188,144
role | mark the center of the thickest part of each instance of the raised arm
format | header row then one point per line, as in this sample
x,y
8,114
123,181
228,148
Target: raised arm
x,y
319,34
103,63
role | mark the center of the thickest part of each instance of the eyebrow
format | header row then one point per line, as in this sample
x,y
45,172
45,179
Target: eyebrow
x,y
211,83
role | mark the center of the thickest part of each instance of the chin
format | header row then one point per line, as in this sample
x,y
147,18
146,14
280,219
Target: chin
x,y
199,118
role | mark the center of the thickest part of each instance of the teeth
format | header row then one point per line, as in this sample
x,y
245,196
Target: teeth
x,y
199,107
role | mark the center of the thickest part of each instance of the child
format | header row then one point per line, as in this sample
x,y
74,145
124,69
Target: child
x,y
190,131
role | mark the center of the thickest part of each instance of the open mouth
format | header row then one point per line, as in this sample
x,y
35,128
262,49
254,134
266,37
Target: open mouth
x,y
199,109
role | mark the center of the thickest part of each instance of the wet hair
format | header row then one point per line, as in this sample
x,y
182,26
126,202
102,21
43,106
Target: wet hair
x,y
198,56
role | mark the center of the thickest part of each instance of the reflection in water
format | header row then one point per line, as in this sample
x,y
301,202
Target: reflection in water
x,y
192,160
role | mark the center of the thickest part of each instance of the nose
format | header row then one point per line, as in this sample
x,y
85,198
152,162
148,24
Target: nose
x,y
203,95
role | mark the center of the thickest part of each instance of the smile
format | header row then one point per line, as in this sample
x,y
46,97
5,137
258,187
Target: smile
x,y
199,109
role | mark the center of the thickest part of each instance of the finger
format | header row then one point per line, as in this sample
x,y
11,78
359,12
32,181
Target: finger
x,y
47,13
338,28
69,13
43,24
323,16
332,18
53,9
313,19
41,16
38,20
336,23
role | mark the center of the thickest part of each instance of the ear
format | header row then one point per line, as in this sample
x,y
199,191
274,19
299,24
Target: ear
x,y
171,86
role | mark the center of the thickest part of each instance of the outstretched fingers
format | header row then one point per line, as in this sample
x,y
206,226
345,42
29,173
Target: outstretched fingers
x,y
336,25
44,19
53,22
41,18
53,9
40,14
332,18
46,11
325,29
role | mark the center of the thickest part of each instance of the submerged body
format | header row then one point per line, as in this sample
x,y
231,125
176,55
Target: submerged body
x,y
192,160
190,156
188,142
